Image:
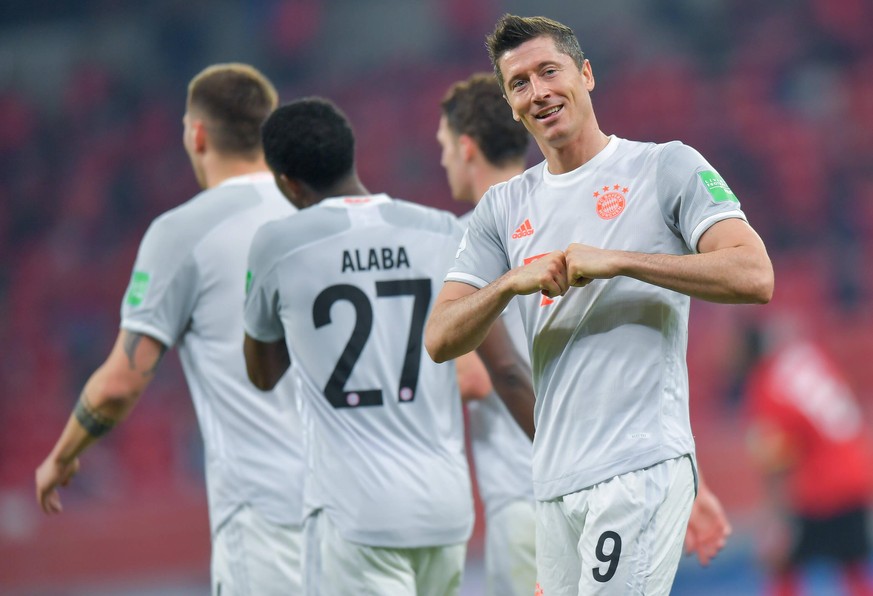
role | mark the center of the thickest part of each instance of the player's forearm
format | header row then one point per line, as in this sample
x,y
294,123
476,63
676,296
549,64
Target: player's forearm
x,y
95,414
457,326
739,275
473,380
510,374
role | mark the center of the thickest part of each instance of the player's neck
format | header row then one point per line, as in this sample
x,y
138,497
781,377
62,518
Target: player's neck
x,y
220,169
575,153
491,175
350,186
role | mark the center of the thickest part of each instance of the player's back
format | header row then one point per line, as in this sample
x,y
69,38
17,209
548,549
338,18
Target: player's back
x,y
188,291
354,280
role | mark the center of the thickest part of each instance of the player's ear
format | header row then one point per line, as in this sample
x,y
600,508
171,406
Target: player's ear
x,y
287,186
198,133
467,146
588,75
515,115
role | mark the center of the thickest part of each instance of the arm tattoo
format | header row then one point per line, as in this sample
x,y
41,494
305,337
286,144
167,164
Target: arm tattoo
x,y
131,341
94,423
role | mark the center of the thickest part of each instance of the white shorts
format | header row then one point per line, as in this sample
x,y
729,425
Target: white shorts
x,y
510,550
333,566
252,556
621,536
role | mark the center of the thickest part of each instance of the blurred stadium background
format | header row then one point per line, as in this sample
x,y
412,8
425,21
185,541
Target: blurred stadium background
x,y
777,95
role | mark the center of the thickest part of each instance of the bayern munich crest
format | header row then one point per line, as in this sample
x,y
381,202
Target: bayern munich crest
x,y
611,201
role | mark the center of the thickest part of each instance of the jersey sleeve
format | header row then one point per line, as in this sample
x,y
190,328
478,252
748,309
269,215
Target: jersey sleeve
x,y
692,193
480,258
262,320
163,287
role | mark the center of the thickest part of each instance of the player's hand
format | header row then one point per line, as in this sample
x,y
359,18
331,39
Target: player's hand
x,y
708,527
585,263
49,476
546,274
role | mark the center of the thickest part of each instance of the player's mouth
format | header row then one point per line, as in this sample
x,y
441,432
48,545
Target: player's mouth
x,y
548,113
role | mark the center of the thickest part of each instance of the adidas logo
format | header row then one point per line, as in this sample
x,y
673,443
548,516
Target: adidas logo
x,y
523,230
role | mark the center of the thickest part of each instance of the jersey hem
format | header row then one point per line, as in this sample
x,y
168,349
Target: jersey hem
x,y
150,330
711,221
553,489
466,278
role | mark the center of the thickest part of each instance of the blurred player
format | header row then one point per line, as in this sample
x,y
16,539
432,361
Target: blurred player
x,y
342,290
188,289
807,434
482,146
613,453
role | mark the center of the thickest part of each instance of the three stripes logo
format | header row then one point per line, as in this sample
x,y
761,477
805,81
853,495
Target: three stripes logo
x,y
525,229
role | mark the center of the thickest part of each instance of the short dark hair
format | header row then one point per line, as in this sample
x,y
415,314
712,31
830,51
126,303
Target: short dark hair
x,y
476,107
511,31
234,99
310,140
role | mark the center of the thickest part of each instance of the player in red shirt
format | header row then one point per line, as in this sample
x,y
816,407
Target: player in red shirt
x,y
808,436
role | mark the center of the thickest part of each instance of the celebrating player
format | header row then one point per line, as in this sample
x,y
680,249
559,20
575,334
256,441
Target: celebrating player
x,y
606,321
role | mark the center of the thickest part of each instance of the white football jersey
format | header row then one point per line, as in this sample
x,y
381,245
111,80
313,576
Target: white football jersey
x,y
349,284
188,289
608,359
501,449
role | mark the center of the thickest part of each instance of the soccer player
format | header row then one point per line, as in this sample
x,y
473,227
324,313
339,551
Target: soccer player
x,y
603,244
808,437
482,146
188,289
342,289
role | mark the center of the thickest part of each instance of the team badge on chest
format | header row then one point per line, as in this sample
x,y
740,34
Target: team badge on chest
x,y
611,201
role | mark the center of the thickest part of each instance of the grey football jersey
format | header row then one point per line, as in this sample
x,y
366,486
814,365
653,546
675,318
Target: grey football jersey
x,y
349,283
188,289
608,360
501,450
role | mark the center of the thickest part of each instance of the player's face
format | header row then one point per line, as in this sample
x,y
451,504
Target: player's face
x,y
548,93
452,160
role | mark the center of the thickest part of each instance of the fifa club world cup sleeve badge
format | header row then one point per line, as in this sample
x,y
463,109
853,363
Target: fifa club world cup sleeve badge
x,y
136,291
717,187
611,201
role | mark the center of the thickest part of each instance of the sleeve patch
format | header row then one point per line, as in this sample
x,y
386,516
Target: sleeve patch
x,y
717,187
136,291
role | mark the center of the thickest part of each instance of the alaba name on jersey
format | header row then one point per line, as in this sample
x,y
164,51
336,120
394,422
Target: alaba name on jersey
x,y
608,360
349,283
188,289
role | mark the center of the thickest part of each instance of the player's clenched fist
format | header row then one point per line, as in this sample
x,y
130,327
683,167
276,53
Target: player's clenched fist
x,y
585,263
546,273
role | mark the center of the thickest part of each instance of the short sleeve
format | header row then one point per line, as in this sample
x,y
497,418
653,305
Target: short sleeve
x,y
481,257
693,195
262,319
163,287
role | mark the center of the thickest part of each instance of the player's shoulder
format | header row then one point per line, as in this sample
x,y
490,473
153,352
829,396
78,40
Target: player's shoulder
x,y
405,213
182,220
519,185
676,153
199,213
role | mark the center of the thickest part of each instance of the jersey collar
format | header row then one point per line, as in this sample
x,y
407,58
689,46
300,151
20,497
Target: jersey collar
x,y
356,201
573,176
247,179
